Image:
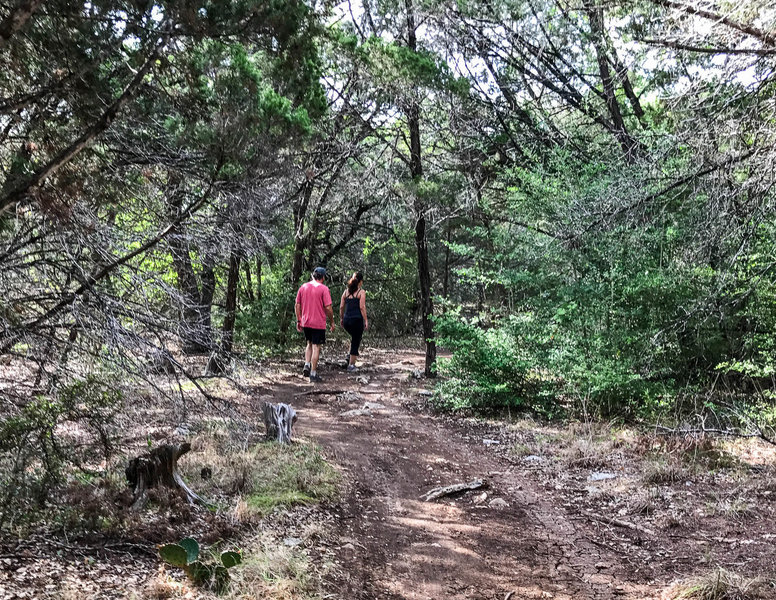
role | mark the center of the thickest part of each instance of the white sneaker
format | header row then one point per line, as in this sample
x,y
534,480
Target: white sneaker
x,y
352,368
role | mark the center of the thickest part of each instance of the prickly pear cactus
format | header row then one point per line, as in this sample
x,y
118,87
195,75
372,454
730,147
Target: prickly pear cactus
x,y
174,554
210,575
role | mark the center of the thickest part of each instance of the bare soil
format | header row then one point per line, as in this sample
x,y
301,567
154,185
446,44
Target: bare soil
x,y
582,512
542,528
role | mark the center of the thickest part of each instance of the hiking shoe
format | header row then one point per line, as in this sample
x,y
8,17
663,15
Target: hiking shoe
x,y
306,371
352,369
316,378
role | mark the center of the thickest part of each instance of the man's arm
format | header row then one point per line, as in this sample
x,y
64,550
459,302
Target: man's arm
x,y
329,314
298,309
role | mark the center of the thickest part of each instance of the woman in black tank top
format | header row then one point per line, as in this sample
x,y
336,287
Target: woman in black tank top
x,y
353,315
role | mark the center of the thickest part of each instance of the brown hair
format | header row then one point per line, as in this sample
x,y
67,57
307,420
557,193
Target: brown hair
x,y
353,282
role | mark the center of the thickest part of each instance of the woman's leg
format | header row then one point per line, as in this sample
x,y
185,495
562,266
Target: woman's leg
x,y
356,330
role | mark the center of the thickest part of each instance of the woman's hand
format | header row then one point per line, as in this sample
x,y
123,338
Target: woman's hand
x,y
366,325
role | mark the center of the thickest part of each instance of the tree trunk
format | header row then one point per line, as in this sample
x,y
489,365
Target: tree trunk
x,y
248,282
204,309
628,144
446,280
421,243
227,341
258,280
194,340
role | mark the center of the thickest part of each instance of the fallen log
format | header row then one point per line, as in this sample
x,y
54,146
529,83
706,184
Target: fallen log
x,y
159,467
279,421
447,490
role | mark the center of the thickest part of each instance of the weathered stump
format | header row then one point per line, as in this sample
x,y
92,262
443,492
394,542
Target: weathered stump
x,y
279,420
159,467
218,364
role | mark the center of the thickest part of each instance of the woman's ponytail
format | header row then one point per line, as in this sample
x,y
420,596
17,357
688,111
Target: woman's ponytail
x,y
353,282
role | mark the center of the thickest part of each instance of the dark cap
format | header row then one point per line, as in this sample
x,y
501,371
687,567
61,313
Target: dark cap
x,y
319,273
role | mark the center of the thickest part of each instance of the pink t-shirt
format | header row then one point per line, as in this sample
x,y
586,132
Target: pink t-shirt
x,y
313,296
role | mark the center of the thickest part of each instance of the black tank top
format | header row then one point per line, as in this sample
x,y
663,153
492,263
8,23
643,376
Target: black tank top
x,y
352,308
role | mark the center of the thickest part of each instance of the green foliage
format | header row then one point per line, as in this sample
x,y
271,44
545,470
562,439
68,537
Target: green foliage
x,y
487,368
35,449
626,319
211,573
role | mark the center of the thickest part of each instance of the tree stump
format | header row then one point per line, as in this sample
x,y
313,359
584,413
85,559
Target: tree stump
x,y
160,466
218,364
279,419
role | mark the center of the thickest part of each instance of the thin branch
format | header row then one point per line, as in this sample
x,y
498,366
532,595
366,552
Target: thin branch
x,y
726,432
765,37
706,50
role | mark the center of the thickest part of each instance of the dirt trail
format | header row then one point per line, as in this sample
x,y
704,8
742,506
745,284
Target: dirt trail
x,y
516,543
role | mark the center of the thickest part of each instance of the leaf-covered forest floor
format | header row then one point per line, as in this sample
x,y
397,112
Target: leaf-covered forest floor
x,y
583,511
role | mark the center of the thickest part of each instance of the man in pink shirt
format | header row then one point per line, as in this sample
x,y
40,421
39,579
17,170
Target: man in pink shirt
x,y
313,308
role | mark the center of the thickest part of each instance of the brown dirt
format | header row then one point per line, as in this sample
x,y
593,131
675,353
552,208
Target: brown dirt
x,y
539,533
542,528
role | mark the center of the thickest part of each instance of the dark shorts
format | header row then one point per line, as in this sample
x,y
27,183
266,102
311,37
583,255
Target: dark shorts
x,y
314,336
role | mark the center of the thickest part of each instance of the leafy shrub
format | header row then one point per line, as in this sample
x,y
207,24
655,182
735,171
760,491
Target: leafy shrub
x,y
487,369
35,450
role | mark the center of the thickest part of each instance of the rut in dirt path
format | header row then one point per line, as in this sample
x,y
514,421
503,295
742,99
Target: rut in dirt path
x,y
514,543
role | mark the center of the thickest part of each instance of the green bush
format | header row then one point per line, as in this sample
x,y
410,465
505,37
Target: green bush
x,y
211,573
487,369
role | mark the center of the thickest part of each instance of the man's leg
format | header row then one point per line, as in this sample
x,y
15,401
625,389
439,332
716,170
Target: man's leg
x,y
316,353
307,354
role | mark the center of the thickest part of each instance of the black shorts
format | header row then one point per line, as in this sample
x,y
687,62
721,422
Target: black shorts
x,y
314,336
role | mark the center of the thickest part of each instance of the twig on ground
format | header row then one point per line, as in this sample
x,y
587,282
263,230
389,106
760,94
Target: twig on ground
x,y
618,523
333,392
727,432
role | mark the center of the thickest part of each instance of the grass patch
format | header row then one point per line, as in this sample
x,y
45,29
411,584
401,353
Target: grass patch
x,y
273,570
284,475
659,473
262,475
725,585
588,454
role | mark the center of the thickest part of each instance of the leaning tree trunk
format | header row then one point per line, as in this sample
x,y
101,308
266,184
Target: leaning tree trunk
x,y
159,467
279,419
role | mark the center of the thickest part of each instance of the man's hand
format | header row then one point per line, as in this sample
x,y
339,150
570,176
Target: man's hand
x,y
299,326
332,326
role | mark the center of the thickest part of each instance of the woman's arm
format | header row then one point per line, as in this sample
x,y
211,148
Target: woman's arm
x,y
362,306
342,307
